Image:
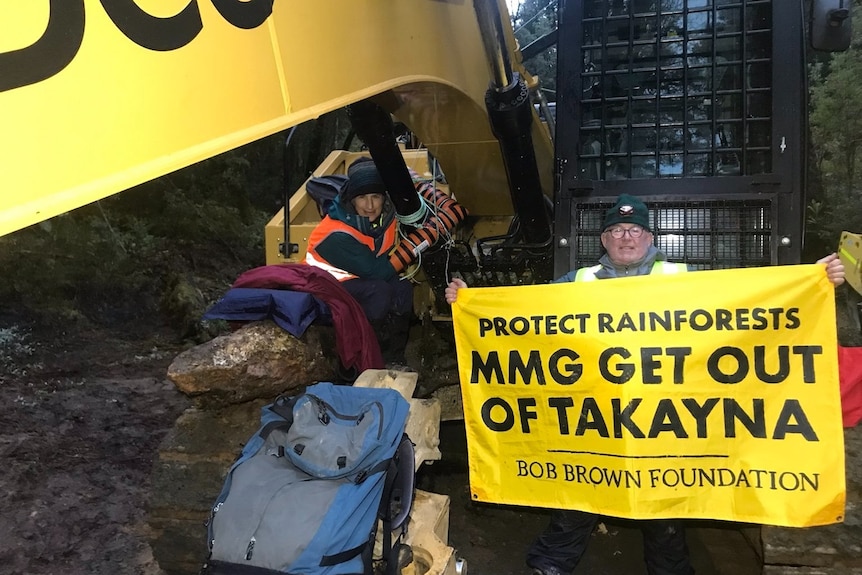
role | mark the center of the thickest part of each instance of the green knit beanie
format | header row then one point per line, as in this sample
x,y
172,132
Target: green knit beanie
x,y
627,210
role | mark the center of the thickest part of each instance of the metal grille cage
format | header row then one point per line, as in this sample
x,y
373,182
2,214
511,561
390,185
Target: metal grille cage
x,y
675,88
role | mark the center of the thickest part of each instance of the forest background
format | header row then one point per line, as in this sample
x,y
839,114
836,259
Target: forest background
x,y
159,254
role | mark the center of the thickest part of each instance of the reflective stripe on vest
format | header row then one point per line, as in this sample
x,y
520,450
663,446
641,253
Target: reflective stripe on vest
x,y
845,254
329,226
589,274
337,273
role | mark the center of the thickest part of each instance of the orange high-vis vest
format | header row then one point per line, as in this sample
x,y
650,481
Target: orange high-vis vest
x,y
330,226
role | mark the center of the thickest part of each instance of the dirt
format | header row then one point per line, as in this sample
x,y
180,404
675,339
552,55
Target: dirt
x,y
82,419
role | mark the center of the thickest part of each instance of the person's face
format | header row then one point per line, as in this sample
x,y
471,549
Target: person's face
x,y
368,205
626,249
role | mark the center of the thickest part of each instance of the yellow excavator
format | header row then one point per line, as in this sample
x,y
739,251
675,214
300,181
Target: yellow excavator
x,y
696,106
114,93
850,252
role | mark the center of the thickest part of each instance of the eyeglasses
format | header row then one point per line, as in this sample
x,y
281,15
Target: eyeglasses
x,y
634,232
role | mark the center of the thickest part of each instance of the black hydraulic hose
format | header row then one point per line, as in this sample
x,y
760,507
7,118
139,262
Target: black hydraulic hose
x,y
511,115
373,125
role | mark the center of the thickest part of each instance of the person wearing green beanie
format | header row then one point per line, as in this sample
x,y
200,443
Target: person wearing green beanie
x,y
628,209
627,237
628,242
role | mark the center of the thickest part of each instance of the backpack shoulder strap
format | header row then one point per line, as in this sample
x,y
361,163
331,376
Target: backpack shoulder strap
x,y
397,499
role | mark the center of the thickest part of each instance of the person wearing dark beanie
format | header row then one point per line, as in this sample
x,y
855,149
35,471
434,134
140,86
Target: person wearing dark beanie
x,y
627,237
362,179
353,242
628,209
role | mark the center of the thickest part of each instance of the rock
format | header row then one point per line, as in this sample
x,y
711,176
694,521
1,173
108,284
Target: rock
x,y
259,360
423,421
182,303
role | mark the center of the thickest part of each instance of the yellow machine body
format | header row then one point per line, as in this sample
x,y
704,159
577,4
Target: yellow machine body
x,y
96,98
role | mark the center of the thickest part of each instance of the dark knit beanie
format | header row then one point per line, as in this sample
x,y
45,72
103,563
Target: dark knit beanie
x,y
627,210
362,178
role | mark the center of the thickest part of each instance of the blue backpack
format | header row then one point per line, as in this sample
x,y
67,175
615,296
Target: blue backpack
x,y
307,491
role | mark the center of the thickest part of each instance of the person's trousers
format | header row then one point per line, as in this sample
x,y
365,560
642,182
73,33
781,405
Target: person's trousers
x,y
380,297
388,305
565,540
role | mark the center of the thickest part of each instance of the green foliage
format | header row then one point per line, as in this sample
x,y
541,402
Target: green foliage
x,y
312,141
16,348
836,131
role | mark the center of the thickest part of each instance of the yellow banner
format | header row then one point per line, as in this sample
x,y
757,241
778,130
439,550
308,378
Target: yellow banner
x,y
702,395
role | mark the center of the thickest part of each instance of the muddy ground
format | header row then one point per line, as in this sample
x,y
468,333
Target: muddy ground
x,y
83,415
82,418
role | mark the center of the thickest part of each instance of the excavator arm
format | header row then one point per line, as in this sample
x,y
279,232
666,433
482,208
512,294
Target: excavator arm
x,y
99,96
